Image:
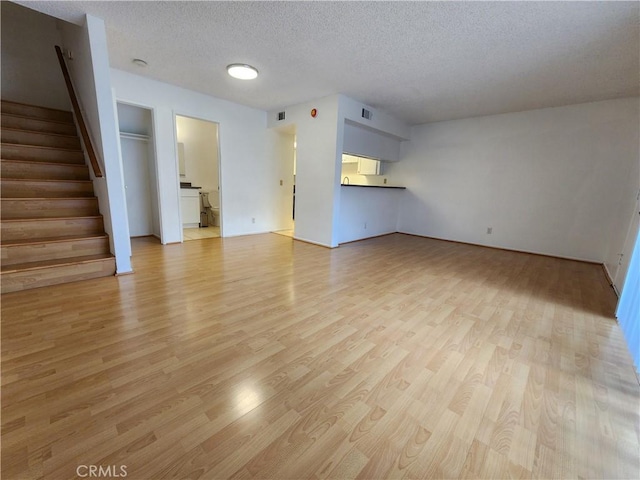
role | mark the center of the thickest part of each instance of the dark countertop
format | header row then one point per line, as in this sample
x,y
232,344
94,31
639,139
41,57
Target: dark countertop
x,y
372,186
188,185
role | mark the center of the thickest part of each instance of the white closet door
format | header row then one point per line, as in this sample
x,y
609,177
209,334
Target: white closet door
x,y
135,161
623,264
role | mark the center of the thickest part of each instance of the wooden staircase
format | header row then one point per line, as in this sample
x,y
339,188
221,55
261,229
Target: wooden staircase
x,y
51,230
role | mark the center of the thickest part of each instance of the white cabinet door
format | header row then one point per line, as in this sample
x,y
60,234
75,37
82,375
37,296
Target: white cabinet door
x,y
368,167
135,159
346,158
190,207
367,143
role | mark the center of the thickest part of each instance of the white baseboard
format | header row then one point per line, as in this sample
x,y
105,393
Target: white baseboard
x,y
312,242
510,249
610,279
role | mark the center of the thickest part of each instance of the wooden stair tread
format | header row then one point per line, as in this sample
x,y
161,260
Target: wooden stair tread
x,y
24,136
11,102
33,162
35,188
40,147
35,112
54,263
27,229
42,125
67,238
37,132
46,120
46,180
49,219
51,228
28,169
41,153
5,199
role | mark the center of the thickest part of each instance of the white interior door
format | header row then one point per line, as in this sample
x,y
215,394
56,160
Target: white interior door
x,y
135,160
625,258
628,311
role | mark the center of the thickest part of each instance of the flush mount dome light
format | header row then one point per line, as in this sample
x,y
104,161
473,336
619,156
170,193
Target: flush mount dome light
x,y
242,71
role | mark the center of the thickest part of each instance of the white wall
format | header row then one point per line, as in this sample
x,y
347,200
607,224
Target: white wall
x,y
200,141
367,212
378,137
553,181
248,167
381,122
89,71
318,160
318,163
320,143
30,69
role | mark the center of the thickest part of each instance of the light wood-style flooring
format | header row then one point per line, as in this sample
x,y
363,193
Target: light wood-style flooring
x,y
286,233
264,357
200,233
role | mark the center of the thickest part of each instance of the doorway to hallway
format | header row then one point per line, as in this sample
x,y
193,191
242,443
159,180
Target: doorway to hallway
x,y
287,202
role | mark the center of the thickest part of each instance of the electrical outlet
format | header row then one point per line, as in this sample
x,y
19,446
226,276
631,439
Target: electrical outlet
x,y
253,220
489,230
281,183
385,181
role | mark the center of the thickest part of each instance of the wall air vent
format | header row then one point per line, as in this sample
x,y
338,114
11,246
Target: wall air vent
x,y
367,114
281,116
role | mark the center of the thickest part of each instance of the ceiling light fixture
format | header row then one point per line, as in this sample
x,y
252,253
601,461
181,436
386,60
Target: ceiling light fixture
x,y
139,62
242,71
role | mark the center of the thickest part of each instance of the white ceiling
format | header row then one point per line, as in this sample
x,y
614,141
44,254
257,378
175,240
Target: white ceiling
x,y
419,61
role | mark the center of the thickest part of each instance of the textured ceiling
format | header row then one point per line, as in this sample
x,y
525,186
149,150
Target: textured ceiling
x,y
419,61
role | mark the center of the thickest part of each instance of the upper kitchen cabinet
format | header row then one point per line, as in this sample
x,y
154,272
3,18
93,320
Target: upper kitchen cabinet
x,y
366,142
363,166
367,166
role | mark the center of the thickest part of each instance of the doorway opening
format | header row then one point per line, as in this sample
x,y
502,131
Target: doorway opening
x,y
199,170
139,170
286,144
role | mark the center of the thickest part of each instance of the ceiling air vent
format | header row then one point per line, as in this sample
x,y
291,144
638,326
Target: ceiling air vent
x,y
366,114
281,116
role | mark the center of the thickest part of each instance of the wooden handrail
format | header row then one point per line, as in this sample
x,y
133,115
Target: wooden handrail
x,y
88,145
